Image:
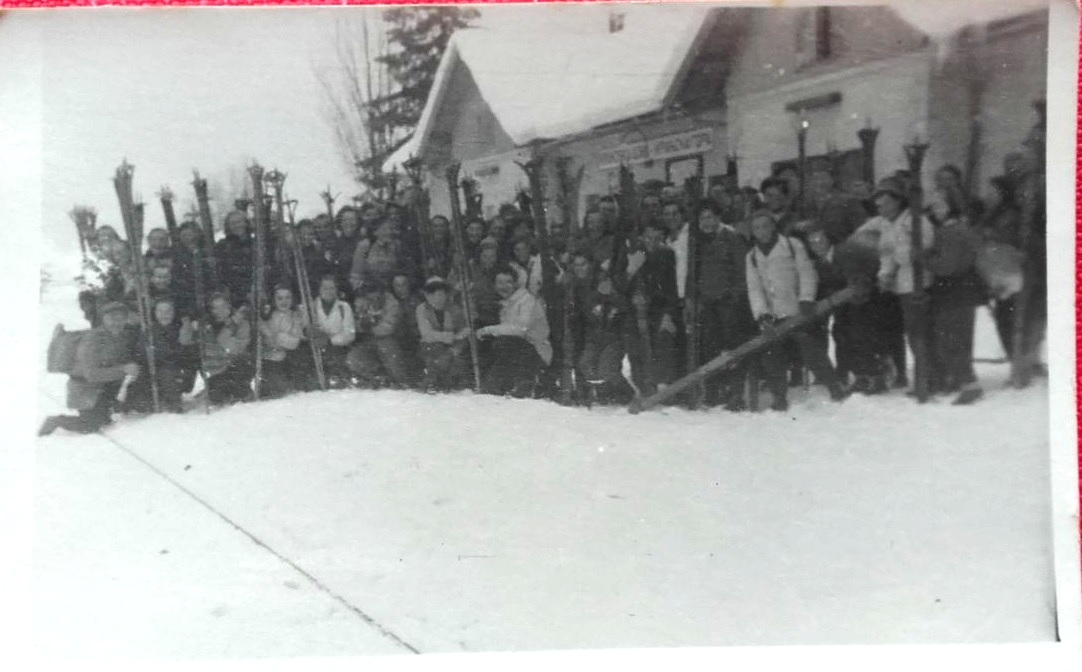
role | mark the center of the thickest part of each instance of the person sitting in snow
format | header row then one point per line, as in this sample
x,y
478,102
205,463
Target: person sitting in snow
x,y
170,360
283,331
443,339
226,360
334,331
376,357
520,342
103,359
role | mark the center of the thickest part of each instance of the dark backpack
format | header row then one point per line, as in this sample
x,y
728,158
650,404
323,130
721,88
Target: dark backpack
x,y
62,349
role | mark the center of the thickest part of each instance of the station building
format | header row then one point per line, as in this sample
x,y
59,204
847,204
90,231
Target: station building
x,y
723,92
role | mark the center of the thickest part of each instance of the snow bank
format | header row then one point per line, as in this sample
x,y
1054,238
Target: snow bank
x,y
466,523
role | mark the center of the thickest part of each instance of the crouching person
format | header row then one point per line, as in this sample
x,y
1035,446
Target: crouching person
x,y
225,351
376,358
282,333
169,358
335,331
782,284
520,342
102,360
444,332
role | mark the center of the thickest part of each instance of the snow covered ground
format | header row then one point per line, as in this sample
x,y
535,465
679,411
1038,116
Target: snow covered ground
x,y
352,523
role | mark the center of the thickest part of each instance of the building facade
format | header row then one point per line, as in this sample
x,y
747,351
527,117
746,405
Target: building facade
x,y
740,89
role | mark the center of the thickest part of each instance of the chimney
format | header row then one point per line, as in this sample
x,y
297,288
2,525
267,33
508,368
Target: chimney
x,y
616,22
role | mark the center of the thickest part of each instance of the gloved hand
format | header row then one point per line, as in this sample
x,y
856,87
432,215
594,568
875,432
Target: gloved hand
x,y
807,308
766,321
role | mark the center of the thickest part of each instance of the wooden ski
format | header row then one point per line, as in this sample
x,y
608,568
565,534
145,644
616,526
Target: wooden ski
x,y
731,358
166,197
918,301
693,190
258,272
201,196
132,216
569,199
463,269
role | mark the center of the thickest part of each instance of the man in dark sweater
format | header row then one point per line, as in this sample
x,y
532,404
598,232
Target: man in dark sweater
x,y
724,311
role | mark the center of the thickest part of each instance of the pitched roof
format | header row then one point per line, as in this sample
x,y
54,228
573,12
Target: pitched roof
x,y
545,83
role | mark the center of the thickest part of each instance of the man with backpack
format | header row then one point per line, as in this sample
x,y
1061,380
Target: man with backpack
x,y
103,358
782,284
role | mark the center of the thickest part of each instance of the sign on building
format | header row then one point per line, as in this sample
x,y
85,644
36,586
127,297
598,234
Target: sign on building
x,y
698,141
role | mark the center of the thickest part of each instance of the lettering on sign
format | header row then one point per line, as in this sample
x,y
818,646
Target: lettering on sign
x,y
679,144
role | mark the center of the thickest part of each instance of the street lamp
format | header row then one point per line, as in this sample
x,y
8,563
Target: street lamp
x,y
802,125
868,136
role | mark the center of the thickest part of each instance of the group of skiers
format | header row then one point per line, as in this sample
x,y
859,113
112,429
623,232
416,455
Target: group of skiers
x,y
389,298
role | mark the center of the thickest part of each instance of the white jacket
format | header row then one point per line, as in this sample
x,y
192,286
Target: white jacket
x,y
523,315
529,276
282,332
896,251
338,323
779,281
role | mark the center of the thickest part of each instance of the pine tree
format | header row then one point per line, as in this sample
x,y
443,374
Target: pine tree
x,y
419,36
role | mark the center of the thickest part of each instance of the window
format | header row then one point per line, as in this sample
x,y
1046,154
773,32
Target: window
x,y
616,22
822,33
813,36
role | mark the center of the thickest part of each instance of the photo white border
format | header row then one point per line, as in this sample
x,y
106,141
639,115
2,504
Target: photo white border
x,y
20,210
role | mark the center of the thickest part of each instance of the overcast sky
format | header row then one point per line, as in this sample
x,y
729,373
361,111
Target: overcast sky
x,y
209,88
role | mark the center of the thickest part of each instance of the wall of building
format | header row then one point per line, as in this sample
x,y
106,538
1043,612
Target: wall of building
x,y
1018,69
777,47
890,94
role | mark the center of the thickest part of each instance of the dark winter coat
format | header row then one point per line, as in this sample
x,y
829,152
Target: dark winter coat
x,y
234,258
722,275
604,317
657,281
831,275
99,361
953,260
839,216
485,299
184,281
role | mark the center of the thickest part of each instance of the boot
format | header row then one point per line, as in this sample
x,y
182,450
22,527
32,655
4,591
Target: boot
x,y
49,426
837,392
969,396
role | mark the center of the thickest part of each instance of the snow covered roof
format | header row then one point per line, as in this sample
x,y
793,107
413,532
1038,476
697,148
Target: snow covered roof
x,y
548,80
398,158
546,83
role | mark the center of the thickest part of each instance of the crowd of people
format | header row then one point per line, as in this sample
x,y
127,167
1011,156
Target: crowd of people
x,y
394,304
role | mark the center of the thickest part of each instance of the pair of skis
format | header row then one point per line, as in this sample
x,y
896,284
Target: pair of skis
x,y
276,180
132,213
